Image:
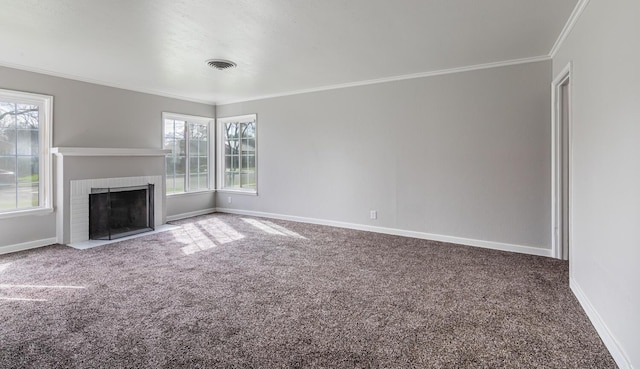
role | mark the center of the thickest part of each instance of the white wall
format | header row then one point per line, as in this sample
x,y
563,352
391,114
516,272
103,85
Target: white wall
x,y
605,244
89,115
464,155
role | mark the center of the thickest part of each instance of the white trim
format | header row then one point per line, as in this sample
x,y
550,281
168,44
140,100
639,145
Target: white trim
x,y
220,157
45,134
607,337
571,22
26,212
470,68
238,191
268,96
210,123
60,187
190,214
106,151
185,117
27,245
192,193
123,86
556,159
539,251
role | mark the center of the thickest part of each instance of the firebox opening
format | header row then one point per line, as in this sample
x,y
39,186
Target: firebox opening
x,y
120,211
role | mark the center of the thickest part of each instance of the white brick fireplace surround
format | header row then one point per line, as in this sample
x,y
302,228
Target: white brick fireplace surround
x,y
78,170
79,199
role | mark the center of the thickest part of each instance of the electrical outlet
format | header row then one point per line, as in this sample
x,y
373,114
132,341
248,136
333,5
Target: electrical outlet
x,y
374,214
229,199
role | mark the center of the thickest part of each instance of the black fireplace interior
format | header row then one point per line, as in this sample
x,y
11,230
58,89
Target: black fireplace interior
x,y
120,211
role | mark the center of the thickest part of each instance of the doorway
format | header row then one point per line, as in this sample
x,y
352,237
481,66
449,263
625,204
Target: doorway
x,y
561,164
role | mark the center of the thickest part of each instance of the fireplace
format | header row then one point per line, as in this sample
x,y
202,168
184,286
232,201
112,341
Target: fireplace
x,y
116,212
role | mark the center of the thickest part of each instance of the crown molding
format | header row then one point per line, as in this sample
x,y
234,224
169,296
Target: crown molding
x,y
122,86
571,22
397,78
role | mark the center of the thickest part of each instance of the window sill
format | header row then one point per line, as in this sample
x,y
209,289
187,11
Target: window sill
x,y
27,212
238,192
192,193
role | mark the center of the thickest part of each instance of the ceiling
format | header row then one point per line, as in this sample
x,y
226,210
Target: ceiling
x,y
280,46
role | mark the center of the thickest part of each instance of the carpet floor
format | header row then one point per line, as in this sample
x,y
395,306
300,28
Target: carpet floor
x,y
227,291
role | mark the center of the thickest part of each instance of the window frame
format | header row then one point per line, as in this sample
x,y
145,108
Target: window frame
x,y
209,122
45,138
220,143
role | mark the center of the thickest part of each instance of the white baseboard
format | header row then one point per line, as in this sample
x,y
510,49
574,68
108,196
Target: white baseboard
x,y
190,214
398,232
605,334
27,245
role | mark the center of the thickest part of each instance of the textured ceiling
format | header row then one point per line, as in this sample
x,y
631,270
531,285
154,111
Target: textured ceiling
x,y
280,46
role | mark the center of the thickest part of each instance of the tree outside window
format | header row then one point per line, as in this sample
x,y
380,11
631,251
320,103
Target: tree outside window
x,y
187,167
237,169
24,146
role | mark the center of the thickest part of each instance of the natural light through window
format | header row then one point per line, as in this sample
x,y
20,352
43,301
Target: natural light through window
x,y
237,157
271,228
188,165
205,235
25,144
32,292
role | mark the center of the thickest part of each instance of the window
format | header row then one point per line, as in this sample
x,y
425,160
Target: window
x,y
25,144
188,164
237,166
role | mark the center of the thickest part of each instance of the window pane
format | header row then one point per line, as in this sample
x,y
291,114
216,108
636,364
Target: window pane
x,y
7,195
20,143
232,179
169,134
170,165
203,147
231,130
180,148
8,114
248,162
204,181
7,141
181,162
248,180
190,144
27,195
203,165
27,142
194,182
27,169
27,116
231,163
249,130
7,163
179,185
231,147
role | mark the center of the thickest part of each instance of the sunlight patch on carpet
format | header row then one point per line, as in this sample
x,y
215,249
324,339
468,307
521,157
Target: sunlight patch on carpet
x,y
4,266
37,286
272,228
20,299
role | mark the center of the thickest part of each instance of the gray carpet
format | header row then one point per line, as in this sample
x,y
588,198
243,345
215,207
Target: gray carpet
x,y
226,291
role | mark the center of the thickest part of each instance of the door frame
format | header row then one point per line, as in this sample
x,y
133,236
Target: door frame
x,y
562,79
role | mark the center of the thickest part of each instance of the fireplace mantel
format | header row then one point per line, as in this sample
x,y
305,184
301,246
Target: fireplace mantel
x,y
134,166
106,151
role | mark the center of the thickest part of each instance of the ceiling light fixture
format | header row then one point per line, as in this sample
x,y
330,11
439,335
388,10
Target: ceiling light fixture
x,y
221,64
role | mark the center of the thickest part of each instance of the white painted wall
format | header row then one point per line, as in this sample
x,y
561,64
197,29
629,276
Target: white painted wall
x,y
89,115
464,155
605,245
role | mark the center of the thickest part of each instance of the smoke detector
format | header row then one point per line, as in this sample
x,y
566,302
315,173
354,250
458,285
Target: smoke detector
x,y
221,64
